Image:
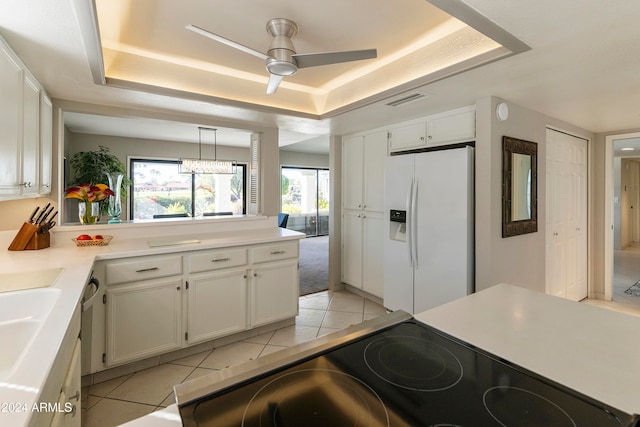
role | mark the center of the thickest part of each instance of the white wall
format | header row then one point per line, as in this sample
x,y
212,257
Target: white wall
x,y
519,260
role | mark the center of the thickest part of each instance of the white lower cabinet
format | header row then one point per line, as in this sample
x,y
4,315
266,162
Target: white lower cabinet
x,y
143,319
362,235
274,292
372,242
68,413
216,304
159,303
352,229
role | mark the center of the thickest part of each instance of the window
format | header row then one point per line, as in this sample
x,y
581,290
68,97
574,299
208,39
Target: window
x,y
305,197
159,189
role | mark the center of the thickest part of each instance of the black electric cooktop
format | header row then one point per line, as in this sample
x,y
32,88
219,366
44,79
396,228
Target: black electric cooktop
x,y
406,375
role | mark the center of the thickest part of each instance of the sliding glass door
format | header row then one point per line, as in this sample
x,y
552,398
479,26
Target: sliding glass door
x,y
305,197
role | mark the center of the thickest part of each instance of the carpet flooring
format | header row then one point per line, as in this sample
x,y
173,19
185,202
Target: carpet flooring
x,y
314,265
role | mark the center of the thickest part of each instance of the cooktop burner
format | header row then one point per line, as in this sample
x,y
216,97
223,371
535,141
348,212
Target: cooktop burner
x,y
414,363
515,406
406,374
315,397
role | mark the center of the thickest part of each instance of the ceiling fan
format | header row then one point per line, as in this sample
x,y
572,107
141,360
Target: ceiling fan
x,y
281,58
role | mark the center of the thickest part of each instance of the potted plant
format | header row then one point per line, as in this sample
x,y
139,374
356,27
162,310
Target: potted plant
x,y
92,167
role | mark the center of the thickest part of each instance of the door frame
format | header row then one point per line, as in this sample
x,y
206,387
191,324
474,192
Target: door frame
x,y
608,223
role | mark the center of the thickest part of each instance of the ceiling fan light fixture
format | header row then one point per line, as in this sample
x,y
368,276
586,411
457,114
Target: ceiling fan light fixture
x,y
281,59
281,68
207,166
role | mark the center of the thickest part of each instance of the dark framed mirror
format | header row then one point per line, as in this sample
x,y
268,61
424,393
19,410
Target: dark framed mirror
x,y
519,187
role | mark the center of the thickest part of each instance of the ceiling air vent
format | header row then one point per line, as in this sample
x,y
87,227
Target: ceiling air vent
x,y
406,99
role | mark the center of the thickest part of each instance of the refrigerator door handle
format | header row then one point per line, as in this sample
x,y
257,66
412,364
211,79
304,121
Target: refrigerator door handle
x,y
408,223
414,223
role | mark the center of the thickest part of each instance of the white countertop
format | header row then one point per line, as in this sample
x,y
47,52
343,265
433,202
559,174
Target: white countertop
x,y
586,348
589,349
24,386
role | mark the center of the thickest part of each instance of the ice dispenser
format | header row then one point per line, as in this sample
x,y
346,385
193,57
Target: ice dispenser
x,y
398,225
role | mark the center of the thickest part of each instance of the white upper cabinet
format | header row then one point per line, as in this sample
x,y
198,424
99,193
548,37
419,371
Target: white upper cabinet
x,y
30,137
11,77
362,166
408,137
375,150
452,127
352,168
26,137
449,127
46,144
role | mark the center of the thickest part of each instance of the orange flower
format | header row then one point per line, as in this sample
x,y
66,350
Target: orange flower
x,y
88,193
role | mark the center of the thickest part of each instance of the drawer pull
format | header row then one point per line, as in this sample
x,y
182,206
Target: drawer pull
x,y
278,252
144,270
221,259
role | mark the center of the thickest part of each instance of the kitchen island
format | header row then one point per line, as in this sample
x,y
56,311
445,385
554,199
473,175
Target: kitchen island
x,y
586,349
30,387
589,349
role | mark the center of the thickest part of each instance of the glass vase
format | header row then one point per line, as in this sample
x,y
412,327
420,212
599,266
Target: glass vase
x,y
115,208
88,212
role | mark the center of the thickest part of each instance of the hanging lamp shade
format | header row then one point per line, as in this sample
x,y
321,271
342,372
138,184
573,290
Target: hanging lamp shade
x,y
207,166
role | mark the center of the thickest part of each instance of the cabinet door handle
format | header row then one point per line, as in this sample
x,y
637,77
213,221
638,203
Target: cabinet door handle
x,y
144,270
364,216
221,259
278,252
75,396
255,274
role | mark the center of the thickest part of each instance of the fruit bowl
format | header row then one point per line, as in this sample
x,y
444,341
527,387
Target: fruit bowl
x,y
93,242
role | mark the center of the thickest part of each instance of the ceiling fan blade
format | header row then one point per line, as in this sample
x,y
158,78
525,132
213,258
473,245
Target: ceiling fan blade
x,y
274,82
315,59
228,42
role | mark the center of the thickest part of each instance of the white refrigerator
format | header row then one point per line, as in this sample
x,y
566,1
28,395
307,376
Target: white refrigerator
x,y
428,244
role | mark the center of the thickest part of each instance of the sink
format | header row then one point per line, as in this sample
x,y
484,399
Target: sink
x,y
29,279
22,313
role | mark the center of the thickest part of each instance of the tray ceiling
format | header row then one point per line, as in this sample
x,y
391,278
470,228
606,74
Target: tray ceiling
x,y
144,45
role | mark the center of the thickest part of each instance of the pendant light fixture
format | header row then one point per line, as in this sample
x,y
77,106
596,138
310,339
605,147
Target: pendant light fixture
x,y
204,166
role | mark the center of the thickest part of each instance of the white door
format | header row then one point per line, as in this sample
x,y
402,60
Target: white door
x,y
274,292
11,114
398,268
372,270
217,304
443,227
566,216
352,248
352,171
373,153
132,336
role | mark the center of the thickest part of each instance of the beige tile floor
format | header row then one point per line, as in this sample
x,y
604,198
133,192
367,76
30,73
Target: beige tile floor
x,y
131,396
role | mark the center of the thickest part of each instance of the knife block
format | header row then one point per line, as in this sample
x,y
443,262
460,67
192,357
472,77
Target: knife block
x,y
30,237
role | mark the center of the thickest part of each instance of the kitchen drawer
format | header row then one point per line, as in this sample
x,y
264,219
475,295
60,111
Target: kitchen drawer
x,y
142,268
275,252
218,259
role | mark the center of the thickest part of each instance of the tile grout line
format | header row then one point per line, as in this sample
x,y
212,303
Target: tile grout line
x,y
321,325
